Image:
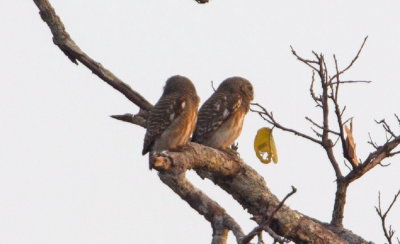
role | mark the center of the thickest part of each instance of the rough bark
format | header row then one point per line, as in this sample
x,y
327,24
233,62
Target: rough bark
x,y
249,188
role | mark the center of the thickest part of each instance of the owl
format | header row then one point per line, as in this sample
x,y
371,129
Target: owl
x,y
172,120
220,118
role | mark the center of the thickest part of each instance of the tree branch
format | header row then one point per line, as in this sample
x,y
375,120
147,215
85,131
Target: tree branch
x,y
330,91
220,221
249,189
62,39
374,159
266,222
352,61
389,233
130,118
267,116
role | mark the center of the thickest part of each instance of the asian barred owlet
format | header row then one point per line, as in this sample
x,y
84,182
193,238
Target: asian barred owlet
x,y
172,120
220,118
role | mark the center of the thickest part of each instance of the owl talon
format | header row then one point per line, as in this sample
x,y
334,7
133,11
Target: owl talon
x,y
235,146
231,152
181,148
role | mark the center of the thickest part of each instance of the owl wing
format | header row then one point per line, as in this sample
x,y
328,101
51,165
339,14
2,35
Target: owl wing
x,y
214,112
166,110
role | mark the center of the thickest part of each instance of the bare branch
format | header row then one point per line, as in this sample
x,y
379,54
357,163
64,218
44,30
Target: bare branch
x,y
62,39
130,118
347,166
371,142
339,114
277,238
316,132
307,62
172,173
374,159
260,238
386,127
350,82
210,209
397,117
270,119
330,91
312,93
267,221
347,120
212,86
384,165
325,140
351,63
388,232
247,187
394,153
319,126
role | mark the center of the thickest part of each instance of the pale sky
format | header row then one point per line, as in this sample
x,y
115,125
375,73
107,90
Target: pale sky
x,y
71,174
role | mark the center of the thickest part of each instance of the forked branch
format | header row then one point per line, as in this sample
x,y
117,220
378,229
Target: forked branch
x,y
329,95
265,223
388,232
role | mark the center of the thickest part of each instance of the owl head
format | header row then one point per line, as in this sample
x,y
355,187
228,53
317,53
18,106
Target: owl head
x,y
179,84
238,85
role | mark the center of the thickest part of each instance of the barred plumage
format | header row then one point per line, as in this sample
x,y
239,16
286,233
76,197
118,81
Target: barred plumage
x,y
171,121
220,118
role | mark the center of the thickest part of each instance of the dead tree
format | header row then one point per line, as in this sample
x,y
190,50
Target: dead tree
x,y
234,176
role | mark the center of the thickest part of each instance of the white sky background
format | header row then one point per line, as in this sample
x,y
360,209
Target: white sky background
x,y
71,174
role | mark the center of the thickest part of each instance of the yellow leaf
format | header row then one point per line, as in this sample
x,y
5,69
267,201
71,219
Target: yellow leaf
x,y
264,145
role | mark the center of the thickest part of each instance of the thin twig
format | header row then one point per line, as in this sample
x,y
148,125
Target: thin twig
x,y
307,62
352,61
347,166
130,118
371,142
373,159
394,153
319,126
387,232
212,86
350,82
312,93
260,238
267,116
316,132
386,127
246,239
397,117
384,165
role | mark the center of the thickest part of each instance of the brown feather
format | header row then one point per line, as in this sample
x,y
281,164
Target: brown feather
x,y
173,116
220,118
